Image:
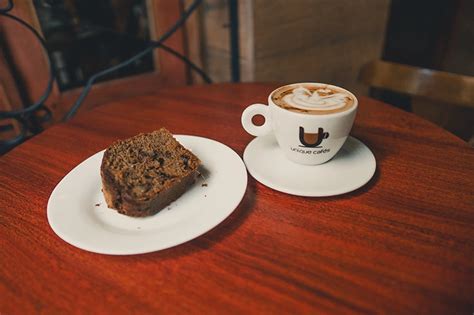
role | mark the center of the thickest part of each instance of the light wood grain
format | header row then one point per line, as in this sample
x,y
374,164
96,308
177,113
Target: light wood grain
x,y
194,41
246,40
403,244
216,39
212,39
317,40
296,41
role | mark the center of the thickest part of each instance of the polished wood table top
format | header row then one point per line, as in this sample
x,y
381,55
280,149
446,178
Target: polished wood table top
x,y
402,244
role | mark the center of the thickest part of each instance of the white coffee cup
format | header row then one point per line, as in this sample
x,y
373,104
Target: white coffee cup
x,y
311,137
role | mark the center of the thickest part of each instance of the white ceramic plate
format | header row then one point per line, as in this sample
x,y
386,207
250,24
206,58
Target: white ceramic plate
x,y
78,214
352,167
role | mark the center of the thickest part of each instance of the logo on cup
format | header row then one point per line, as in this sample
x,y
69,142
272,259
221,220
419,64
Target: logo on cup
x,y
312,140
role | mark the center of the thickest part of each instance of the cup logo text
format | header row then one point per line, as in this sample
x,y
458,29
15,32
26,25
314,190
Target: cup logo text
x,y
312,140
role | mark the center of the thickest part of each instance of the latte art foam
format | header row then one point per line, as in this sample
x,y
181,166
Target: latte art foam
x,y
313,99
305,99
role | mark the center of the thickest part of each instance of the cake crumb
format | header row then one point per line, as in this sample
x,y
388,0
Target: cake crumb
x,y
204,185
97,204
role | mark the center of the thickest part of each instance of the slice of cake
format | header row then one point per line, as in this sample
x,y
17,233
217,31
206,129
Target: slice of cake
x,y
143,174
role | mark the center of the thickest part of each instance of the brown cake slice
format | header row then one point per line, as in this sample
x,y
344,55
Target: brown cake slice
x,y
143,174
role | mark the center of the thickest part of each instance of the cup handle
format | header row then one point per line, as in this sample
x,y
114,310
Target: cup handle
x,y
247,115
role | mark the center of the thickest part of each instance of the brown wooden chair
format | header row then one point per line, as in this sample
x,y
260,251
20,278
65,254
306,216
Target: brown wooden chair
x,y
444,98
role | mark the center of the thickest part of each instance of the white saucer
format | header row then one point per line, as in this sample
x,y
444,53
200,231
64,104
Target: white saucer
x,y
78,214
352,167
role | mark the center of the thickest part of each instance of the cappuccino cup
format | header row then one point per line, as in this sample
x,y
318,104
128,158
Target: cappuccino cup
x,y
310,121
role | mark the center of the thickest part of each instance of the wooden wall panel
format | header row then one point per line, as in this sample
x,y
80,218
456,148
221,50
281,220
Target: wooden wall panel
x,y
193,34
216,45
246,40
210,46
299,40
317,40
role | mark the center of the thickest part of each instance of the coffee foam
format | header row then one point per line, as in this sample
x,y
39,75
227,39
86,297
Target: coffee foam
x,y
322,99
312,99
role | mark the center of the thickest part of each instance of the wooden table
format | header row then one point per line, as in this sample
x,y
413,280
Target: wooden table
x,y
404,243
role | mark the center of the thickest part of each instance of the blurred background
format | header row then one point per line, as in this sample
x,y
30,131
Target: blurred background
x,y
415,55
